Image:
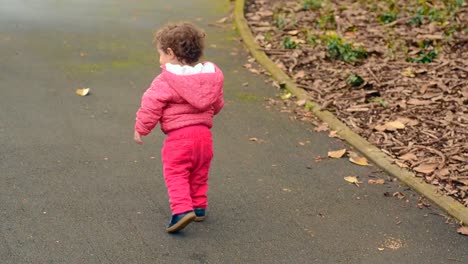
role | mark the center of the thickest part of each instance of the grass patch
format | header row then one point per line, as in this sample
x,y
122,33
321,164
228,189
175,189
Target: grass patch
x,y
338,48
355,80
288,43
312,4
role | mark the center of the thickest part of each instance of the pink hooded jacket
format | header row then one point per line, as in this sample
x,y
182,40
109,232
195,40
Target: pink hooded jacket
x,y
178,101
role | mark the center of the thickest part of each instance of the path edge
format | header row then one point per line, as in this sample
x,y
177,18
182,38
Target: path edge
x,y
374,154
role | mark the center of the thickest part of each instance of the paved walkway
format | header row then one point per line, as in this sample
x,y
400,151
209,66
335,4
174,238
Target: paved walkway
x,y
74,188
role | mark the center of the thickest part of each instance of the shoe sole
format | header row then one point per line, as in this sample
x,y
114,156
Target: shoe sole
x,y
187,219
199,219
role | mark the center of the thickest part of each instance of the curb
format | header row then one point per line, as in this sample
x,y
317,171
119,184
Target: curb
x,y
374,154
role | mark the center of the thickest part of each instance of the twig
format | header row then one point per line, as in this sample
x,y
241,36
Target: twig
x,y
373,75
309,88
440,66
438,153
461,69
404,19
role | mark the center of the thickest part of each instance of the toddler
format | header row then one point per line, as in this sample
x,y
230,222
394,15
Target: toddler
x,y
183,99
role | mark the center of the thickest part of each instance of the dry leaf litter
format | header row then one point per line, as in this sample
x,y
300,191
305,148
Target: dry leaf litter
x,y
395,74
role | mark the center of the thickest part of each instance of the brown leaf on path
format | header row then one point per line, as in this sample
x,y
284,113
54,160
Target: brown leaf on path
x,y
301,102
336,154
318,159
377,181
353,180
255,71
398,195
321,127
82,91
463,230
426,168
333,134
222,20
357,159
254,139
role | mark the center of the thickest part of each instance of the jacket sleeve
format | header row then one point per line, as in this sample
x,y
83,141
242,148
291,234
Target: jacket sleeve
x,y
152,104
218,104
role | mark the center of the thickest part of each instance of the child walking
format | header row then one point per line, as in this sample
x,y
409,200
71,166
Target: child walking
x,y
183,99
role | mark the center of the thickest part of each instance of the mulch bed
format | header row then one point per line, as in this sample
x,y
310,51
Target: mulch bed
x,y
394,71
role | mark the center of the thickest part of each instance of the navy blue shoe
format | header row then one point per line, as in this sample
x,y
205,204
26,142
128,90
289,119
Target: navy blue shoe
x,y
200,214
179,221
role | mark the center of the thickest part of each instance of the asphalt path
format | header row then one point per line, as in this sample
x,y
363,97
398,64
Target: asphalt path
x,y
75,188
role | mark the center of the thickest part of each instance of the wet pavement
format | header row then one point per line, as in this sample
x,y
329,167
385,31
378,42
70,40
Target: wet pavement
x,y
74,188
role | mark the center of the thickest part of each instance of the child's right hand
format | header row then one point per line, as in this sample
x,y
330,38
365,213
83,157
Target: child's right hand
x,y
137,138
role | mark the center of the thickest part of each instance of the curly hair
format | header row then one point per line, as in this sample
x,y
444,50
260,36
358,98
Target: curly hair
x,y
184,39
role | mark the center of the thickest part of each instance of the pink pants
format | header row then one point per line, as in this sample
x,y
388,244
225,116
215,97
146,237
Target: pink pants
x,y
186,156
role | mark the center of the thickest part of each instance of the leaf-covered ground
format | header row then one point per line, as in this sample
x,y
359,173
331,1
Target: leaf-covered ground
x,y
394,71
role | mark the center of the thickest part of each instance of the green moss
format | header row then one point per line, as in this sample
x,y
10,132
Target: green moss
x,y
245,97
85,68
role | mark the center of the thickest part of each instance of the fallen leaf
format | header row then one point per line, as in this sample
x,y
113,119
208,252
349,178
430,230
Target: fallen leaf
x,y
418,102
407,121
318,159
83,54
401,164
321,127
337,153
299,75
222,20
393,243
399,195
408,72
378,181
301,102
356,159
353,180
82,91
293,32
426,168
266,13
380,128
255,71
431,37
408,156
443,172
381,249
333,134
286,96
463,230
394,125
390,126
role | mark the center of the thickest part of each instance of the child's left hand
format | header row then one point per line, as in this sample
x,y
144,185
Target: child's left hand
x,y
137,138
